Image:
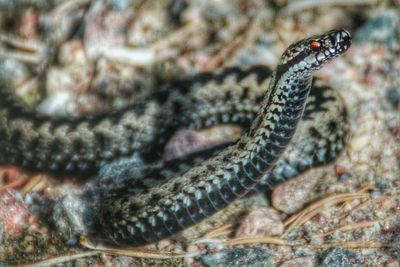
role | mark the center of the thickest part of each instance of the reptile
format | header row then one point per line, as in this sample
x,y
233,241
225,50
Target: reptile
x,y
83,145
131,218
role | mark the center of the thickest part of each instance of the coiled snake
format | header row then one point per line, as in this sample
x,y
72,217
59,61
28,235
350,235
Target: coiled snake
x,y
83,145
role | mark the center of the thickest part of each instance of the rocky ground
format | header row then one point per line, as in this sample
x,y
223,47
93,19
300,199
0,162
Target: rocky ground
x,y
81,56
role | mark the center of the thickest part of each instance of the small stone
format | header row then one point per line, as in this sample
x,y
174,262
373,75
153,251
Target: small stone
x,y
13,71
255,256
291,196
60,103
182,143
71,242
14,214
393,96
304,262
261,221
342,173
342,258
73,215
185,142
382,29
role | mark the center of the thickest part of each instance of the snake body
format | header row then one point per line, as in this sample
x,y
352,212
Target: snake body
x,y
320,137
133,219
84,145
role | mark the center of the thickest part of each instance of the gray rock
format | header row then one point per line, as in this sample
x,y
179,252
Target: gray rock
x,y
393,96
382,29
340,257
13,71
255,256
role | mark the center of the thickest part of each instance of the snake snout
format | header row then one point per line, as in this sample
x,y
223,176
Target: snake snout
x,y
343,39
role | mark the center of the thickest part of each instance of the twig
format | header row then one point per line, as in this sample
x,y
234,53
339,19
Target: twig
x,y
363,189
35,184
356,226
222,230
353,245
312,210
61,259
300,243
24,57
14,184
133,57
15,177
139,252
28,45
260,239
348,228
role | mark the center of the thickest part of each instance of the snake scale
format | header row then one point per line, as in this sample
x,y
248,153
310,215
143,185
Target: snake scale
x,y
82,146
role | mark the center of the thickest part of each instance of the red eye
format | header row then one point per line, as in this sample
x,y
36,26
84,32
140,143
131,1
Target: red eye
x,y
315,45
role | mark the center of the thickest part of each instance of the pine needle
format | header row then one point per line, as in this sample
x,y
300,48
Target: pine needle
x,y
312,210
138,252
62,259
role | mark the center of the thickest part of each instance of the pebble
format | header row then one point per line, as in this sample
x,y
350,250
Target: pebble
x,y
303,261
342,173
393,96
261,221
384,28
14,214
340,257
292,195
59,103
182,143
185,142
70,215
13,71
255,256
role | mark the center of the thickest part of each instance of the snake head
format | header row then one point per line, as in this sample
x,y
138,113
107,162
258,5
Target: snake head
x,y
316,50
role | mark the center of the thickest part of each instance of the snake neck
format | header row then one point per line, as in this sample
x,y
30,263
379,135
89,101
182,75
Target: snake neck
x,y
281,109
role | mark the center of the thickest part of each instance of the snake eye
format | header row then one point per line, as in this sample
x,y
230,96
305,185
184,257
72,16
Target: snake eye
x,y
315,45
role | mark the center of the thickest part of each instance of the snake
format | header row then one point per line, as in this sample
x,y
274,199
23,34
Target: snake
x,y
134,219
83,145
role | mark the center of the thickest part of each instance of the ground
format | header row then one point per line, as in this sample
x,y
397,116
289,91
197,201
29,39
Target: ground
x,y
79,57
